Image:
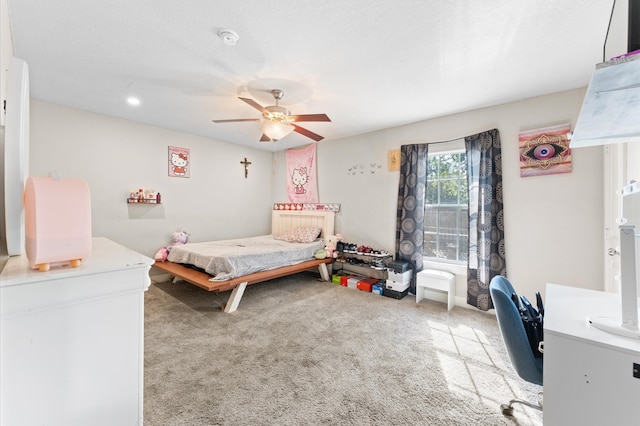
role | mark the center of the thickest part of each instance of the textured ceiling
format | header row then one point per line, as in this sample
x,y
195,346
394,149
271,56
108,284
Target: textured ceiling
x,y
367,64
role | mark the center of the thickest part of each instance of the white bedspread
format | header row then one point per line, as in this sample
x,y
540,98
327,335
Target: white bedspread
x,y
228,259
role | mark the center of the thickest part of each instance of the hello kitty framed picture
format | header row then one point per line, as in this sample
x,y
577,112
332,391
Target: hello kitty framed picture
x,y
179,162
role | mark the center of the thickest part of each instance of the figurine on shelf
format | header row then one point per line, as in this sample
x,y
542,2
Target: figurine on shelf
x,y
177,238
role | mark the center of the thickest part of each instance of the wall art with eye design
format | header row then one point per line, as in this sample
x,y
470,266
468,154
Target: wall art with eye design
x,y
545,151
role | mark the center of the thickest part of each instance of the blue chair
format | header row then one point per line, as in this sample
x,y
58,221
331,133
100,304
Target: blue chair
x,y
527,366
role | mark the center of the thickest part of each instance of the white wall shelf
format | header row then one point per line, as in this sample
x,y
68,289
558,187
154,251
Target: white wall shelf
x,y
143,201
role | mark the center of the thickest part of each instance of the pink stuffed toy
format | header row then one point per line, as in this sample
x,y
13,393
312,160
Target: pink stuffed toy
x,y
177,238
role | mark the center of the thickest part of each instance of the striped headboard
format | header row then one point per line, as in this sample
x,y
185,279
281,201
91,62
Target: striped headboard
x,y
283,221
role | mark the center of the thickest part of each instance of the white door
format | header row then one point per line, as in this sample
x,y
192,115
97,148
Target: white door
x,y
621,166
614,178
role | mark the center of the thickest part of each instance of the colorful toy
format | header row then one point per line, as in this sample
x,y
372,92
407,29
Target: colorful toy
x,y
177,238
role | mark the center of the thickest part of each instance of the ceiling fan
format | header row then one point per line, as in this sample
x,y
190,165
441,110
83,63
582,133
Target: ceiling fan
x,y
277,122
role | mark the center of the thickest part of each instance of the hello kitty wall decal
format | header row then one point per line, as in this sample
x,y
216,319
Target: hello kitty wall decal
x,y
302,182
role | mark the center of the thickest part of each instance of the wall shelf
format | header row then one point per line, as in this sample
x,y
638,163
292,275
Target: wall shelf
x,y
142,201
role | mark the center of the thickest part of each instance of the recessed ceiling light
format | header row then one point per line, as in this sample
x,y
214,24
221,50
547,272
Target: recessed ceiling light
x,y
133,101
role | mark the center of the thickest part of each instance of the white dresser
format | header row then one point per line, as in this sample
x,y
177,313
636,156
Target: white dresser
x,y
71,340
588,373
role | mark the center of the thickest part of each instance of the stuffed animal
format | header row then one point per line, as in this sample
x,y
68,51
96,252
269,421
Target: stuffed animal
x,y
320,254
331,241
177,238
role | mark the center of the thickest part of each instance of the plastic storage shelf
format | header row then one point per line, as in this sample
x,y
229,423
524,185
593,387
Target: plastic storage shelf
x,y
364,268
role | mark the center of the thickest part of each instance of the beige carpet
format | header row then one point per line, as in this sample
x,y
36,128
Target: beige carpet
x,y
303,352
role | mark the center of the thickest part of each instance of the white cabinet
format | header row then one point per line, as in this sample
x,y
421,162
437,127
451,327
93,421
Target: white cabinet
x,y
71,340
588,373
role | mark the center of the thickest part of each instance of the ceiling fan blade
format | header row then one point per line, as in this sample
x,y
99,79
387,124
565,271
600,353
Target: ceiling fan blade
x,y
235,120
308,133
310,117
253,104
265,138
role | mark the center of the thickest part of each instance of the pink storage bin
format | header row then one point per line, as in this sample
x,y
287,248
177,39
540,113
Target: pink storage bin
x,y
57,221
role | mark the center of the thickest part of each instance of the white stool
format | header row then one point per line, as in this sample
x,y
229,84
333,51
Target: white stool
x,y
430,279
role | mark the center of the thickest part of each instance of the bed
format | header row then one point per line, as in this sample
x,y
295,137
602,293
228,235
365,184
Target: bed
x,y
234,264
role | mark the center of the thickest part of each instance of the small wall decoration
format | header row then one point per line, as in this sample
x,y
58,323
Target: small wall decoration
x,y
359,169
246,164
179,162
394,160
545,151
355,169
374,167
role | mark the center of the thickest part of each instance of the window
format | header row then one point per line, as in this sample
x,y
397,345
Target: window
x,y
446,221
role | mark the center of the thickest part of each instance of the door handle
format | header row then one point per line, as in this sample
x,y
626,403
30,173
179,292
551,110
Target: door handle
x,y
613,252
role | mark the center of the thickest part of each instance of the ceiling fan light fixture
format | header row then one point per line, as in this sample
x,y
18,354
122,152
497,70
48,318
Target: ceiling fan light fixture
x,y
276,130
277,122
276,113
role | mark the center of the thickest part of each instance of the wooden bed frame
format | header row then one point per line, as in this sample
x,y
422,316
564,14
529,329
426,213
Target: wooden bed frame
x,y
281,222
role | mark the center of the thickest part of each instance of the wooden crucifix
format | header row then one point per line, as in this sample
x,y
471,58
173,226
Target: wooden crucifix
x,y
245,163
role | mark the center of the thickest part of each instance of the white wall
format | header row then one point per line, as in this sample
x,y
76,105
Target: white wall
x,y
115,156
554,224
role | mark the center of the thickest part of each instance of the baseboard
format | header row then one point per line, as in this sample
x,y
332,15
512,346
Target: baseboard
x,y
461,302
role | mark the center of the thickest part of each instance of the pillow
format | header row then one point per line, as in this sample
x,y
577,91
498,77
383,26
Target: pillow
x,y
302,234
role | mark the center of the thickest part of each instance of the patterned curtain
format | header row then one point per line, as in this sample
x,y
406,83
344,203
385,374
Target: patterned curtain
x,y
410,216
486,216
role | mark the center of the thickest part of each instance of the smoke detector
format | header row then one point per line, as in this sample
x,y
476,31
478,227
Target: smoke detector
x,y
229,37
